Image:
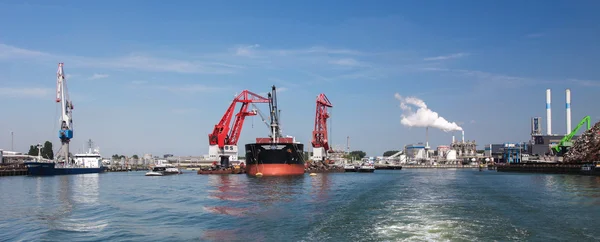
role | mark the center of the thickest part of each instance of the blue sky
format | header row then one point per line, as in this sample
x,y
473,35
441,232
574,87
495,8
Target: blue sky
x,y
153,77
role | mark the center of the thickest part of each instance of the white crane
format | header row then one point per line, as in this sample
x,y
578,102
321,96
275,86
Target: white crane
x,y
66,121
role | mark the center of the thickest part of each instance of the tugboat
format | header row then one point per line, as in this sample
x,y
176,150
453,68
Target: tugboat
x,y
64,164
275,155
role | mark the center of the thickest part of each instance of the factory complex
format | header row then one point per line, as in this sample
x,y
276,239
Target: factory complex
x,y
541,147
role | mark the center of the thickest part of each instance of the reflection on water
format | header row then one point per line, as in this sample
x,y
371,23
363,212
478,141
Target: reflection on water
x,y
76,192
271,190
86,189
52,213
229,187
320,187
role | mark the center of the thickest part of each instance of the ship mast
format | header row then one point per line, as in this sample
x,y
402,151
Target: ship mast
x,y
274,113
66,122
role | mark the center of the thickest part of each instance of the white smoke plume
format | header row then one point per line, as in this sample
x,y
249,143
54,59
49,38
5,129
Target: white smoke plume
x,y
423,117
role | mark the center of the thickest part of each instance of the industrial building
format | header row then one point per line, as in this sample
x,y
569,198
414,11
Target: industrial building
x,y
415,151
540,146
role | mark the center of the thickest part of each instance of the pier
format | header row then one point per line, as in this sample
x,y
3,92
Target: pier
x,y
13,170
438,166
555,168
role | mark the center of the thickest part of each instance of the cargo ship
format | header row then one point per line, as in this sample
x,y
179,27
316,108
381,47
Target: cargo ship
x,y
275,155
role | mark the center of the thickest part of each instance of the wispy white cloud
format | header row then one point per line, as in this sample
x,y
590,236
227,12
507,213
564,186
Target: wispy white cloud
x,y
10,52
149,63
446,57
586,83
98,76
345,62
316,50
248,50
317,62
26,92
282,89
132,61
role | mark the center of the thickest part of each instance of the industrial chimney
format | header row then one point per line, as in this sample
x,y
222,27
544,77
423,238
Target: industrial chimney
x,y
548,113
463,136
568,92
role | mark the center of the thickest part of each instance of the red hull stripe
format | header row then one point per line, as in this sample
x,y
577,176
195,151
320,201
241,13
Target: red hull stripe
x,y
275,169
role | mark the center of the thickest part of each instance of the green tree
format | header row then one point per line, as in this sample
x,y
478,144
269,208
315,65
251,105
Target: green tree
x,y
116,157
135,157
390,152
47,150
33,151
356,155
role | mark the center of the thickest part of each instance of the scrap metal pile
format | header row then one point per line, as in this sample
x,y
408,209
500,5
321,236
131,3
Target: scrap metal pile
x,y
321,167
586,148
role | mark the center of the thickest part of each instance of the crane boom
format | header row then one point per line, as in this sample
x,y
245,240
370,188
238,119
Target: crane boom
x,y
320,131
222,133
262,116
565,141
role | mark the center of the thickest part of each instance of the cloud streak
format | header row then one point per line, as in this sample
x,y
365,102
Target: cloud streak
x,y
25,92
10,52
446,57
98,76
585,83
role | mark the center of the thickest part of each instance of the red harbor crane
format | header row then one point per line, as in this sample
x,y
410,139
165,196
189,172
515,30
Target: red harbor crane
x,y
320,143
223,139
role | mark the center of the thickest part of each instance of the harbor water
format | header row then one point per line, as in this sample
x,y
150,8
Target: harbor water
x,y
406,205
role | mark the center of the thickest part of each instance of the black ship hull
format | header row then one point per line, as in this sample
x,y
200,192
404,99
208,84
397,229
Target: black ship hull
x,y
275,159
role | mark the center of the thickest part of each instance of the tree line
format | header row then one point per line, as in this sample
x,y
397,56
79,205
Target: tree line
x,y
118,157
46,150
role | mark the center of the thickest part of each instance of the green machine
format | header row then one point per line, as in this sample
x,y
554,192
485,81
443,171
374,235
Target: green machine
x,y
565,142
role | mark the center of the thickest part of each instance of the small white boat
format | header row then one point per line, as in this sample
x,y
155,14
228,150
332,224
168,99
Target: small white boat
x,y
163,170
366,168
154,173
350,168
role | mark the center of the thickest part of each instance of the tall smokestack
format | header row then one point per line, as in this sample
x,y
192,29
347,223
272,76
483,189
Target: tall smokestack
x,y
427,138
568,111
548,113
452,139
463,136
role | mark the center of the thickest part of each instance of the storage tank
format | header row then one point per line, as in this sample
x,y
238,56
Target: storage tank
x,y
451,155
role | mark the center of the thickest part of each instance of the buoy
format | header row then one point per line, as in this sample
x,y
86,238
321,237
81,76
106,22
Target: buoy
x,y
258,174
313,174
